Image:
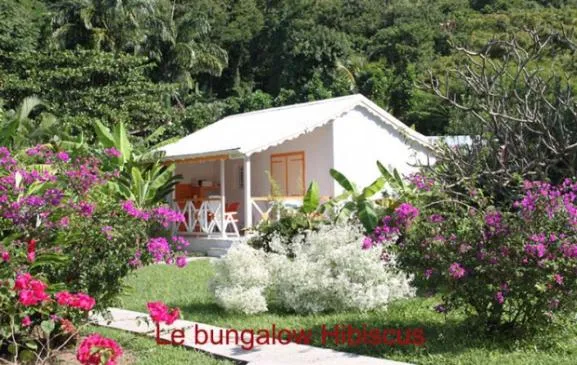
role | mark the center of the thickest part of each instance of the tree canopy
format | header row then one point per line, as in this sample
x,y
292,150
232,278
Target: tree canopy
x,y
186,63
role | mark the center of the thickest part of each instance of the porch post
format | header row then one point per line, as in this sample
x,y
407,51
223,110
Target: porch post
x,y
247,193
222,199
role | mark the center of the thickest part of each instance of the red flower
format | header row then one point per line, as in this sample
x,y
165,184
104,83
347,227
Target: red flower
x,y
98,350
22,281
159,312
31,250
26,321
31,291
80,300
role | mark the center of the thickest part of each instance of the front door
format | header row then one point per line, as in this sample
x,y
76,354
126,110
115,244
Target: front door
x,y
288,173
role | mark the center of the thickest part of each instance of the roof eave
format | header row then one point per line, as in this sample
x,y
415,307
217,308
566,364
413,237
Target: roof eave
x,y
216,155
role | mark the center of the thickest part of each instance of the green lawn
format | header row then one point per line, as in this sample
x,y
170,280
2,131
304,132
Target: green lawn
x,y
448,341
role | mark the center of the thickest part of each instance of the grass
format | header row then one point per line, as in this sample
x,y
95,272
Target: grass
x,y
448,340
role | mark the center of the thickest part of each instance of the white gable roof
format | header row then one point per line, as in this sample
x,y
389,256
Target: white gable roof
x,y
248,133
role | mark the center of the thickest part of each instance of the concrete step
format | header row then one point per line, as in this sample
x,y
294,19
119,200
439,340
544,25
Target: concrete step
x,y
216,251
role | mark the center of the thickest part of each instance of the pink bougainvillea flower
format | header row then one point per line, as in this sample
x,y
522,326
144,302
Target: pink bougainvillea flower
x,y
456,270
96,349
159,313
79,301
112,152
558,279
159,248
64,222
22,281
63,156
26,321
499,297
130,208
181,261
33,296
63,298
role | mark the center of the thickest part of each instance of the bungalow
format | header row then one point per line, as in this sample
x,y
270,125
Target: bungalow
x,y
232,168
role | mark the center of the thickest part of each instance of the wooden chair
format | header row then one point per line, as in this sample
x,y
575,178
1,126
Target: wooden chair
x,y
230,217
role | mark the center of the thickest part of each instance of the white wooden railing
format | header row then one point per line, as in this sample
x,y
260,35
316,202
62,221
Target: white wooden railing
x,y
264,208
207,219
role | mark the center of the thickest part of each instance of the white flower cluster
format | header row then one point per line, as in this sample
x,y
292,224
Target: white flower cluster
x,y
330,272
241,279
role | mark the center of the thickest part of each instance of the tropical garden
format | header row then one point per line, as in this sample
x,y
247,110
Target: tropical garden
x,y
478,249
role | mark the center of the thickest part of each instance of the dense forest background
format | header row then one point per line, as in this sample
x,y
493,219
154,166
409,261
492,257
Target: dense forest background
x,y
182,64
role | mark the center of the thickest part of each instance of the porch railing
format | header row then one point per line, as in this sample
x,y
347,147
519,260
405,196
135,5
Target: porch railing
x,y
205,218
264,206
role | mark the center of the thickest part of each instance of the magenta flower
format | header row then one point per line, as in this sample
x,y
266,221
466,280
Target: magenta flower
x,y
558,279
159,249
538,250
406,213
493,219
26,321
428,273
367,243
64,222
181,261
499,297
112,152
165,216
436,218
86,209
130,209
63,156
456,271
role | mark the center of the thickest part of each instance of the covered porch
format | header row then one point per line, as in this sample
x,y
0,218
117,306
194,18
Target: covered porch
x,y
216,198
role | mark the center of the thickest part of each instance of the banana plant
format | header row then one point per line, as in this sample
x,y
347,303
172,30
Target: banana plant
x,y
358,202
311,207
147,185
17,129
144,179
398,190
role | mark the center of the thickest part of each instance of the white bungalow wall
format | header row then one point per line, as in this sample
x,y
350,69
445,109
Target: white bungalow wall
x,y
360,139
318,149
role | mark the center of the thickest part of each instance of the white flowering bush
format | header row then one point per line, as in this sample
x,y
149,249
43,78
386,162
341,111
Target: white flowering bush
x,y
329,272
241,279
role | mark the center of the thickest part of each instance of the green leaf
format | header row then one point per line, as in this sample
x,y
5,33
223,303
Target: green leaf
x,y
32,345
27,356
311,199
122,142
47,326
103,134
367,215
374,188
386,174
342,180
48,259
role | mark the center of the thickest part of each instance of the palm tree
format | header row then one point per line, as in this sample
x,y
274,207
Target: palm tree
x,y
101,24
179,44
